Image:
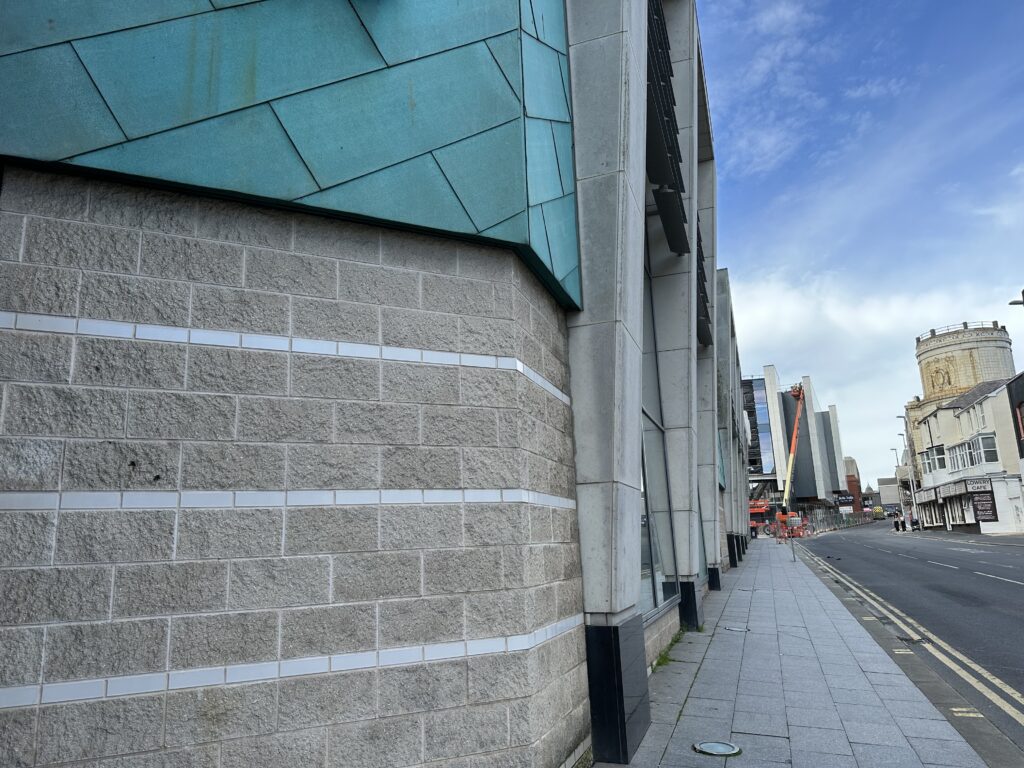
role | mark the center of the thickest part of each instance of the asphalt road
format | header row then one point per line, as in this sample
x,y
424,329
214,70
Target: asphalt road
x,y
968,592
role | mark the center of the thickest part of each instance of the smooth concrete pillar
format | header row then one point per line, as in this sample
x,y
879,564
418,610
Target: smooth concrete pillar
x,y
608,67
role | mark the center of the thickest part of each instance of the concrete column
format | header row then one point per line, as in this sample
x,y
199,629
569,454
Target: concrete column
x,y
608,65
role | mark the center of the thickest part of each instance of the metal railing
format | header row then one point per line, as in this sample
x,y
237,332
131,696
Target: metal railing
x,y
931,332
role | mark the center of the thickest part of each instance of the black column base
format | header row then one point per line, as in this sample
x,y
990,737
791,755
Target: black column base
x,y
743,543
714,578
740,549
620,708
691,607
730,541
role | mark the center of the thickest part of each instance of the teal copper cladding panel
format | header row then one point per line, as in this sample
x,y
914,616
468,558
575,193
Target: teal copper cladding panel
x,y
451,116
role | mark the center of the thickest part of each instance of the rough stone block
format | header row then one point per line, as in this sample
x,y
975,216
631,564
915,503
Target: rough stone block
x,y
416,527
422,687
333,629
421,468
314,530
182,258
212,466
39,595
493,468
459,425
223,638
241,223
418,329
271,420
498,676
115,536
220,533
279,582
492,387
76,651
17,737
465,731
122,205
82,246
375,575
540,524
160,589
21,657
565,525
484,262
376,743
497,524
12,227
108,465
458,295
30,465
569,598
34,357
371,284
44,194
134,299
239,371
423,620
377,423
492,614
422,252
336,320
124,363
344,378
462,570
291,273
411,383
181,416
332,466
487,336
212,714
204,756
323,699
297,749
45,290
235,309
99,728
341,239
509,432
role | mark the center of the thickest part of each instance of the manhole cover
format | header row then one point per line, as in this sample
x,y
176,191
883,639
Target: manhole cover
x,y
716,748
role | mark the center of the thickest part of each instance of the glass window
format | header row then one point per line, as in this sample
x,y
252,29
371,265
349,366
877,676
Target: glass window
x,y
988,448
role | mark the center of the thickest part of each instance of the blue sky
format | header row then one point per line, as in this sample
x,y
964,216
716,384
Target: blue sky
x,y
871,186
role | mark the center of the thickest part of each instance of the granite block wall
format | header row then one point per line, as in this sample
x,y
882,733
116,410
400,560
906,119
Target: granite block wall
x,y
278,489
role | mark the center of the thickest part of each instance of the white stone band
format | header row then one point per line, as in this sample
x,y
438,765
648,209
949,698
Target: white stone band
x,y
25,500
112,687
174,334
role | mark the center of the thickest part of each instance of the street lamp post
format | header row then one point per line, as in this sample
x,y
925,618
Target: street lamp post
x,y
913,488
1018,302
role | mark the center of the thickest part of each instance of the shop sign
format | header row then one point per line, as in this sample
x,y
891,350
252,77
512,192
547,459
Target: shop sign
x,y
952,489
928,495
978,485
984,505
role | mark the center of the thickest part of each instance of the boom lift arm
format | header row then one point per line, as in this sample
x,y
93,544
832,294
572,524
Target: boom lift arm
x,y
796,391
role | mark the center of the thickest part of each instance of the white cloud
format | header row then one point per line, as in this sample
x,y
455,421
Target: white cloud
x,y
877,88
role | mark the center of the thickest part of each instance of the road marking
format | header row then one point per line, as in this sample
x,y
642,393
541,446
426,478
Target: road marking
x,y
909,557
903,650
944,565
905,623
868,618
885,550
997,565
1012,581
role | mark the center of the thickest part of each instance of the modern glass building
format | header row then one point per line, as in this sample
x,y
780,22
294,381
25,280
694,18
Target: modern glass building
x,y
370,389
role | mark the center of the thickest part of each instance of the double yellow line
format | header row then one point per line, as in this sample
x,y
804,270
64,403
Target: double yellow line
x,y
988,685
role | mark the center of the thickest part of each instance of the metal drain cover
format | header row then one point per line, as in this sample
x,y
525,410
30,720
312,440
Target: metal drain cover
x,y
716,748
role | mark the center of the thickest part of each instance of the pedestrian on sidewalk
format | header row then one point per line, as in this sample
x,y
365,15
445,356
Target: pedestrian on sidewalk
x,y
903,523
896,523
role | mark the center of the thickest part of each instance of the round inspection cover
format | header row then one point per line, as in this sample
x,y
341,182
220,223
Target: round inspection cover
x,y
716,748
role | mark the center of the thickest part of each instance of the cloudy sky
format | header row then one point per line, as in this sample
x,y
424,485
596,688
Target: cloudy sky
x,y
871,186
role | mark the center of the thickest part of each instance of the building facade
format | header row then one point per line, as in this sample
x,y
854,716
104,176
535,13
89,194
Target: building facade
x,y
412,448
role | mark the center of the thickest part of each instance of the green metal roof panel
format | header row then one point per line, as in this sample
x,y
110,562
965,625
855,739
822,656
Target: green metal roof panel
x,y
411,111
245,151
411,29
165,75
50,107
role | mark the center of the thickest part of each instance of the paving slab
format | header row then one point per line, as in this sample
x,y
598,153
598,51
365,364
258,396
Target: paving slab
x,y
784,671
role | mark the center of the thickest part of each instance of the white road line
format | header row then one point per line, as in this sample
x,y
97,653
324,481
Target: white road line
x,y
1012,581
997,565
944,565
909,557
889,551
902,621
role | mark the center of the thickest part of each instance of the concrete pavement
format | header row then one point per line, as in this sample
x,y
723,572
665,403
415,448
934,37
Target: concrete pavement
x,y
784,670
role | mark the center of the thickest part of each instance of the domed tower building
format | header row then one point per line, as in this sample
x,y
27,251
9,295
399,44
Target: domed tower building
x,y
952,362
